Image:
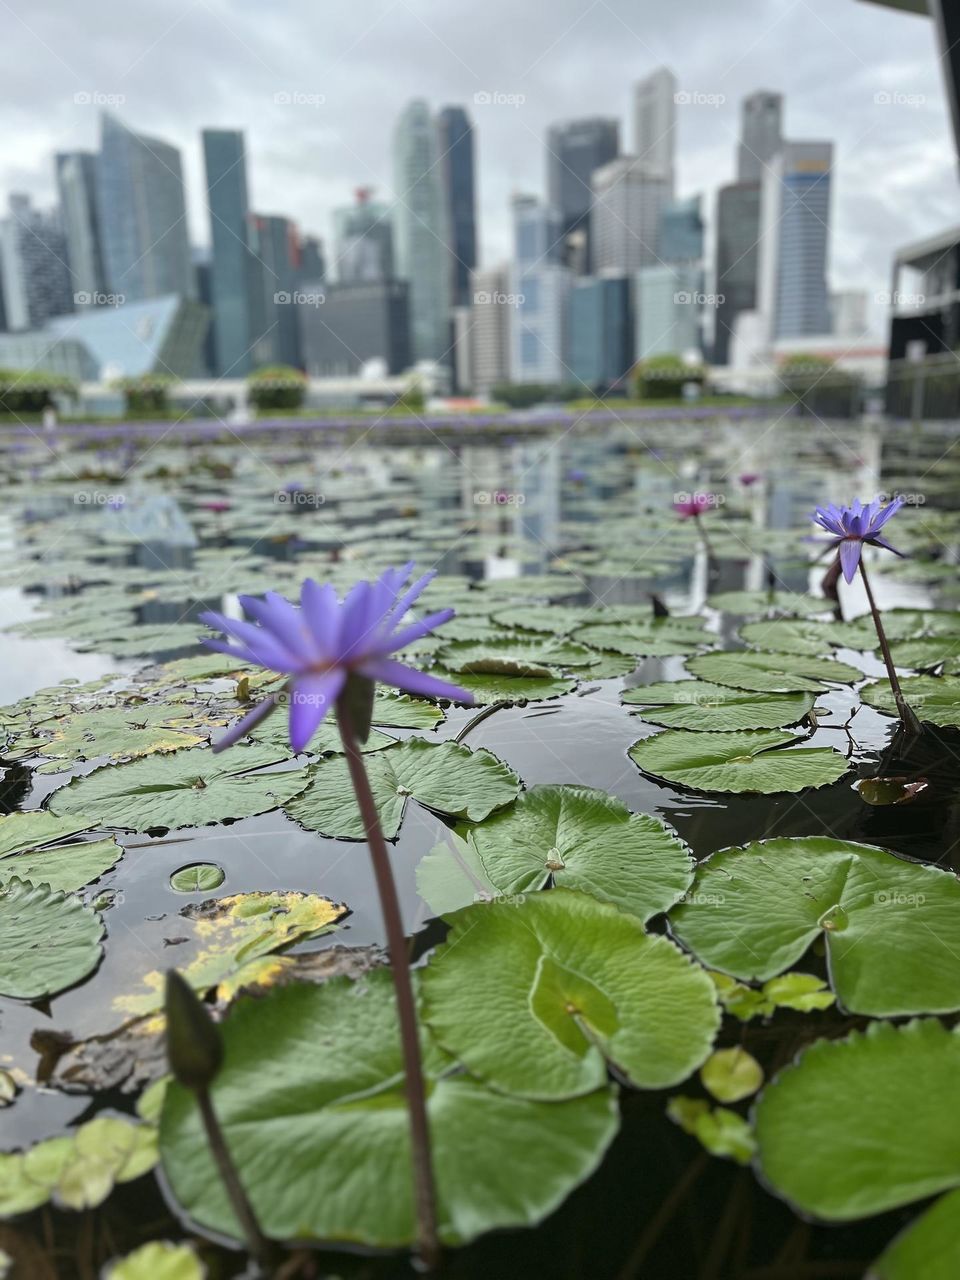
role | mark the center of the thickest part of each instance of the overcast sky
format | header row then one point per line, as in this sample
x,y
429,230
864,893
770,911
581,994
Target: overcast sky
x,y
350,65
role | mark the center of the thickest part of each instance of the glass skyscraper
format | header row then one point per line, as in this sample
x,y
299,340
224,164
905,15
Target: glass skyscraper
x,y
142,215
455,141
575,148
77,188
232,264
363,241
421,231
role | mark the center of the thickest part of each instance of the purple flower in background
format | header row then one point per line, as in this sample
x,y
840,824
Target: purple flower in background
x,y
853,526
323,641
749,478
693,504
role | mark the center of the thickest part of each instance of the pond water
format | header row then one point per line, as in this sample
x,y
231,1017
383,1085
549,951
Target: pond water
x,y
113,547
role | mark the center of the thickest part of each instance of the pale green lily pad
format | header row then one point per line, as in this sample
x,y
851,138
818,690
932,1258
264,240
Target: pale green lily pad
x,y
935,699
527,655
731,1075
574,837
787,635
752,602
652,639
737,762
840,1139
701,706
719,1131
119,732
187,789
66,868
772,672
331,1055
48,941
507,687
36,828
158,1260
535,997
443,776
891,927
198,877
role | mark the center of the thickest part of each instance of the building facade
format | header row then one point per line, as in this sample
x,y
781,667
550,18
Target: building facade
x,y
794,300
76,173
681,231
232,265
761,133
575,149
655,124
33,266
737,261
421,233
457,172
669,312
363,241
276,291
490,315
601,331
356,324
142,215
627,214
539,288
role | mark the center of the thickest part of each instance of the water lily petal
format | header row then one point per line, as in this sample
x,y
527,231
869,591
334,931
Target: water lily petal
x,y
413,681
850,550
311,697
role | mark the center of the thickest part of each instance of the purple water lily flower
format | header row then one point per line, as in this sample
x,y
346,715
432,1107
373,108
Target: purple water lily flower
x,y
324,640
853,526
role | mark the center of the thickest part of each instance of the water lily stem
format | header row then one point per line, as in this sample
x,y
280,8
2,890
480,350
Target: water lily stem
x,y
907,717
423,1184
256,1242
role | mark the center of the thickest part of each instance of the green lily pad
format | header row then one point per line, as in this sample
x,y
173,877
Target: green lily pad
x,y
731,1075
719,1130
787,635
64,867
535,997
48,941
737,762
838,1138
929,1249
118,732
701,706
772,672
554,619
331,1058
891,927
158,1260
651,639
198,877
36,828
751,602
507,685
187,789
443,776
575,837
528,656
935,699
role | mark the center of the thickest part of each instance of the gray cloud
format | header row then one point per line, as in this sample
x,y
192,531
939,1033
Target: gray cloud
x,y
221,62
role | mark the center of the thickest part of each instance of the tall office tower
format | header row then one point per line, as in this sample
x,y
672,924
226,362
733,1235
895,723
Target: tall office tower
x,y
457,170
363,240
36,275
313,261
421,235
655,123
681,231
357,323
490,328
761,133
601,331
669,315
539,286
737,260
626,217
232,267
276,331
575,148
77,188
794,241
142,214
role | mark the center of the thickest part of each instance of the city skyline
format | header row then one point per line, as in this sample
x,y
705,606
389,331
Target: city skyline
x,y
906,137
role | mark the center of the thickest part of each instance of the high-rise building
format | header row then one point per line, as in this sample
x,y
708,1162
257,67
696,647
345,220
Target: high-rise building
x,y
794,241
491,311
681,231
232,267
601,331
363,240
77,189
455,142
669,315
575,148
276,331
36,275
627,213
737,258
655,124
539,287
761,133
421,234
142,215
849,313
357,323
312,267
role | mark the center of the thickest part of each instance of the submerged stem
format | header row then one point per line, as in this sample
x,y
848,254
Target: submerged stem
x,y
256,1243
423,1185
907,716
